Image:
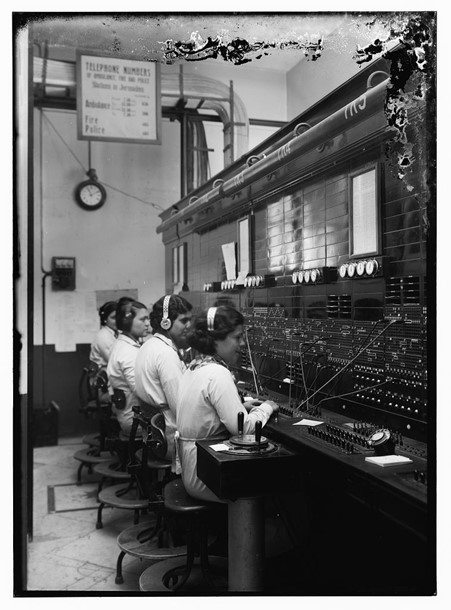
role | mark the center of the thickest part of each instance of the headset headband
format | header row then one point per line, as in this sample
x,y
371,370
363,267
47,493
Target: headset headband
x,y
165,321
211,318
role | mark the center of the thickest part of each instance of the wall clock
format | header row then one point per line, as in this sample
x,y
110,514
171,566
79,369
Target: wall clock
x,y
90,194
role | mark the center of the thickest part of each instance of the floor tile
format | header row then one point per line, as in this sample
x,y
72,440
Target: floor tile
x,y
67,552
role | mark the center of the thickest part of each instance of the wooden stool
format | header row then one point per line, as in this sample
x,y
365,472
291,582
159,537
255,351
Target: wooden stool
x,y
156,540
132,496
171,575
112,470
109,447
97,451
150,540
88,458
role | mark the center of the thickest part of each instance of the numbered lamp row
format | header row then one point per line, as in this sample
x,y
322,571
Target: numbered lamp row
x,y
309,276
359,268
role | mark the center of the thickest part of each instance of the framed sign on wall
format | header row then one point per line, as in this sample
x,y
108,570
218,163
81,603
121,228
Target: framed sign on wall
x,y
118,99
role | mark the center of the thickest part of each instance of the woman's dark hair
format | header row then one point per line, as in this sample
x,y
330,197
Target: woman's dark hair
x,y
105,310
125,312
225,321
177,305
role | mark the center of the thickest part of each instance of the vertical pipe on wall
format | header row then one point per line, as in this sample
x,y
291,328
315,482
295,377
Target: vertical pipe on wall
x,y
232,124
30,287
183,156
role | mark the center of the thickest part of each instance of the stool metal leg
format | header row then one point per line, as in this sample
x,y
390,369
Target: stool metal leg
x,y
99,523
204,563
119,578
181,571
79,469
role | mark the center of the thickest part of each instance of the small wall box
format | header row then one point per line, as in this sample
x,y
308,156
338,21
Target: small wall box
x,y
45,422
63,273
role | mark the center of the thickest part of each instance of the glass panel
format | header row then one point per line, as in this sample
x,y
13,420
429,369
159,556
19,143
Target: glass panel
x,y
364,214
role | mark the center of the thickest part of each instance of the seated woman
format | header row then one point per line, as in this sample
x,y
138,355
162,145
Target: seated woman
x,y
159,366
106,337
132,319
208,400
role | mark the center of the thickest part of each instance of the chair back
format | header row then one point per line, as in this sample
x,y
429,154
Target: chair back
x,y
86,386
153,440
157,442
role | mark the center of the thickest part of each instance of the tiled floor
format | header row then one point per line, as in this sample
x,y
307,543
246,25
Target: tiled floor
x,y
67,552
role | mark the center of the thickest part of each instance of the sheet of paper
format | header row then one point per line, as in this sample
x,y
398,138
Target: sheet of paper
x,y
241,277
244,249
228,252
388,460
307,422
220,447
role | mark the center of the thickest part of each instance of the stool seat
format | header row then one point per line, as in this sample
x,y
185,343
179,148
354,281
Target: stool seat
x,y
119,496
88,457
122,497
153,462
112,469
147,540
151,539
92,456
154,578
142,541
177,499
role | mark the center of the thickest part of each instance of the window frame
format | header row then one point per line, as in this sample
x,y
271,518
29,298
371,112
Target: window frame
x,y
244,251
377,215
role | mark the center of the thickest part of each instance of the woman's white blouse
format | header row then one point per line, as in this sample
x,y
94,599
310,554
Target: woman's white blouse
x,y
102,345
158,372
121,376
207,408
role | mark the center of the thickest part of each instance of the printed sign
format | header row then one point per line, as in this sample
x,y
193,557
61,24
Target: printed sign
x,y
118,99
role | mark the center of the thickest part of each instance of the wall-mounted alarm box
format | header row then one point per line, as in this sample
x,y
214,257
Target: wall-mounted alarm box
x,y
63,272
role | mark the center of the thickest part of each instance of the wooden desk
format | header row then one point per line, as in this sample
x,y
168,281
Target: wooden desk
x,y
244,481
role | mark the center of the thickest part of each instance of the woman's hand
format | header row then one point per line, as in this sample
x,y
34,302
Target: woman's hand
x,y
249,403
274,405
254,402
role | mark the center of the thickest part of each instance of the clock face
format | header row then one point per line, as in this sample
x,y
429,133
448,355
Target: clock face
x,y
90,195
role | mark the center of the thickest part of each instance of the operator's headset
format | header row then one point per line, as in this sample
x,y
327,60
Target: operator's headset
x,y
211,318
165,321
105,311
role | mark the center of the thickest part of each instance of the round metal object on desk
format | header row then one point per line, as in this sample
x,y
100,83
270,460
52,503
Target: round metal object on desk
x,y
253,450
248,440
382,442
